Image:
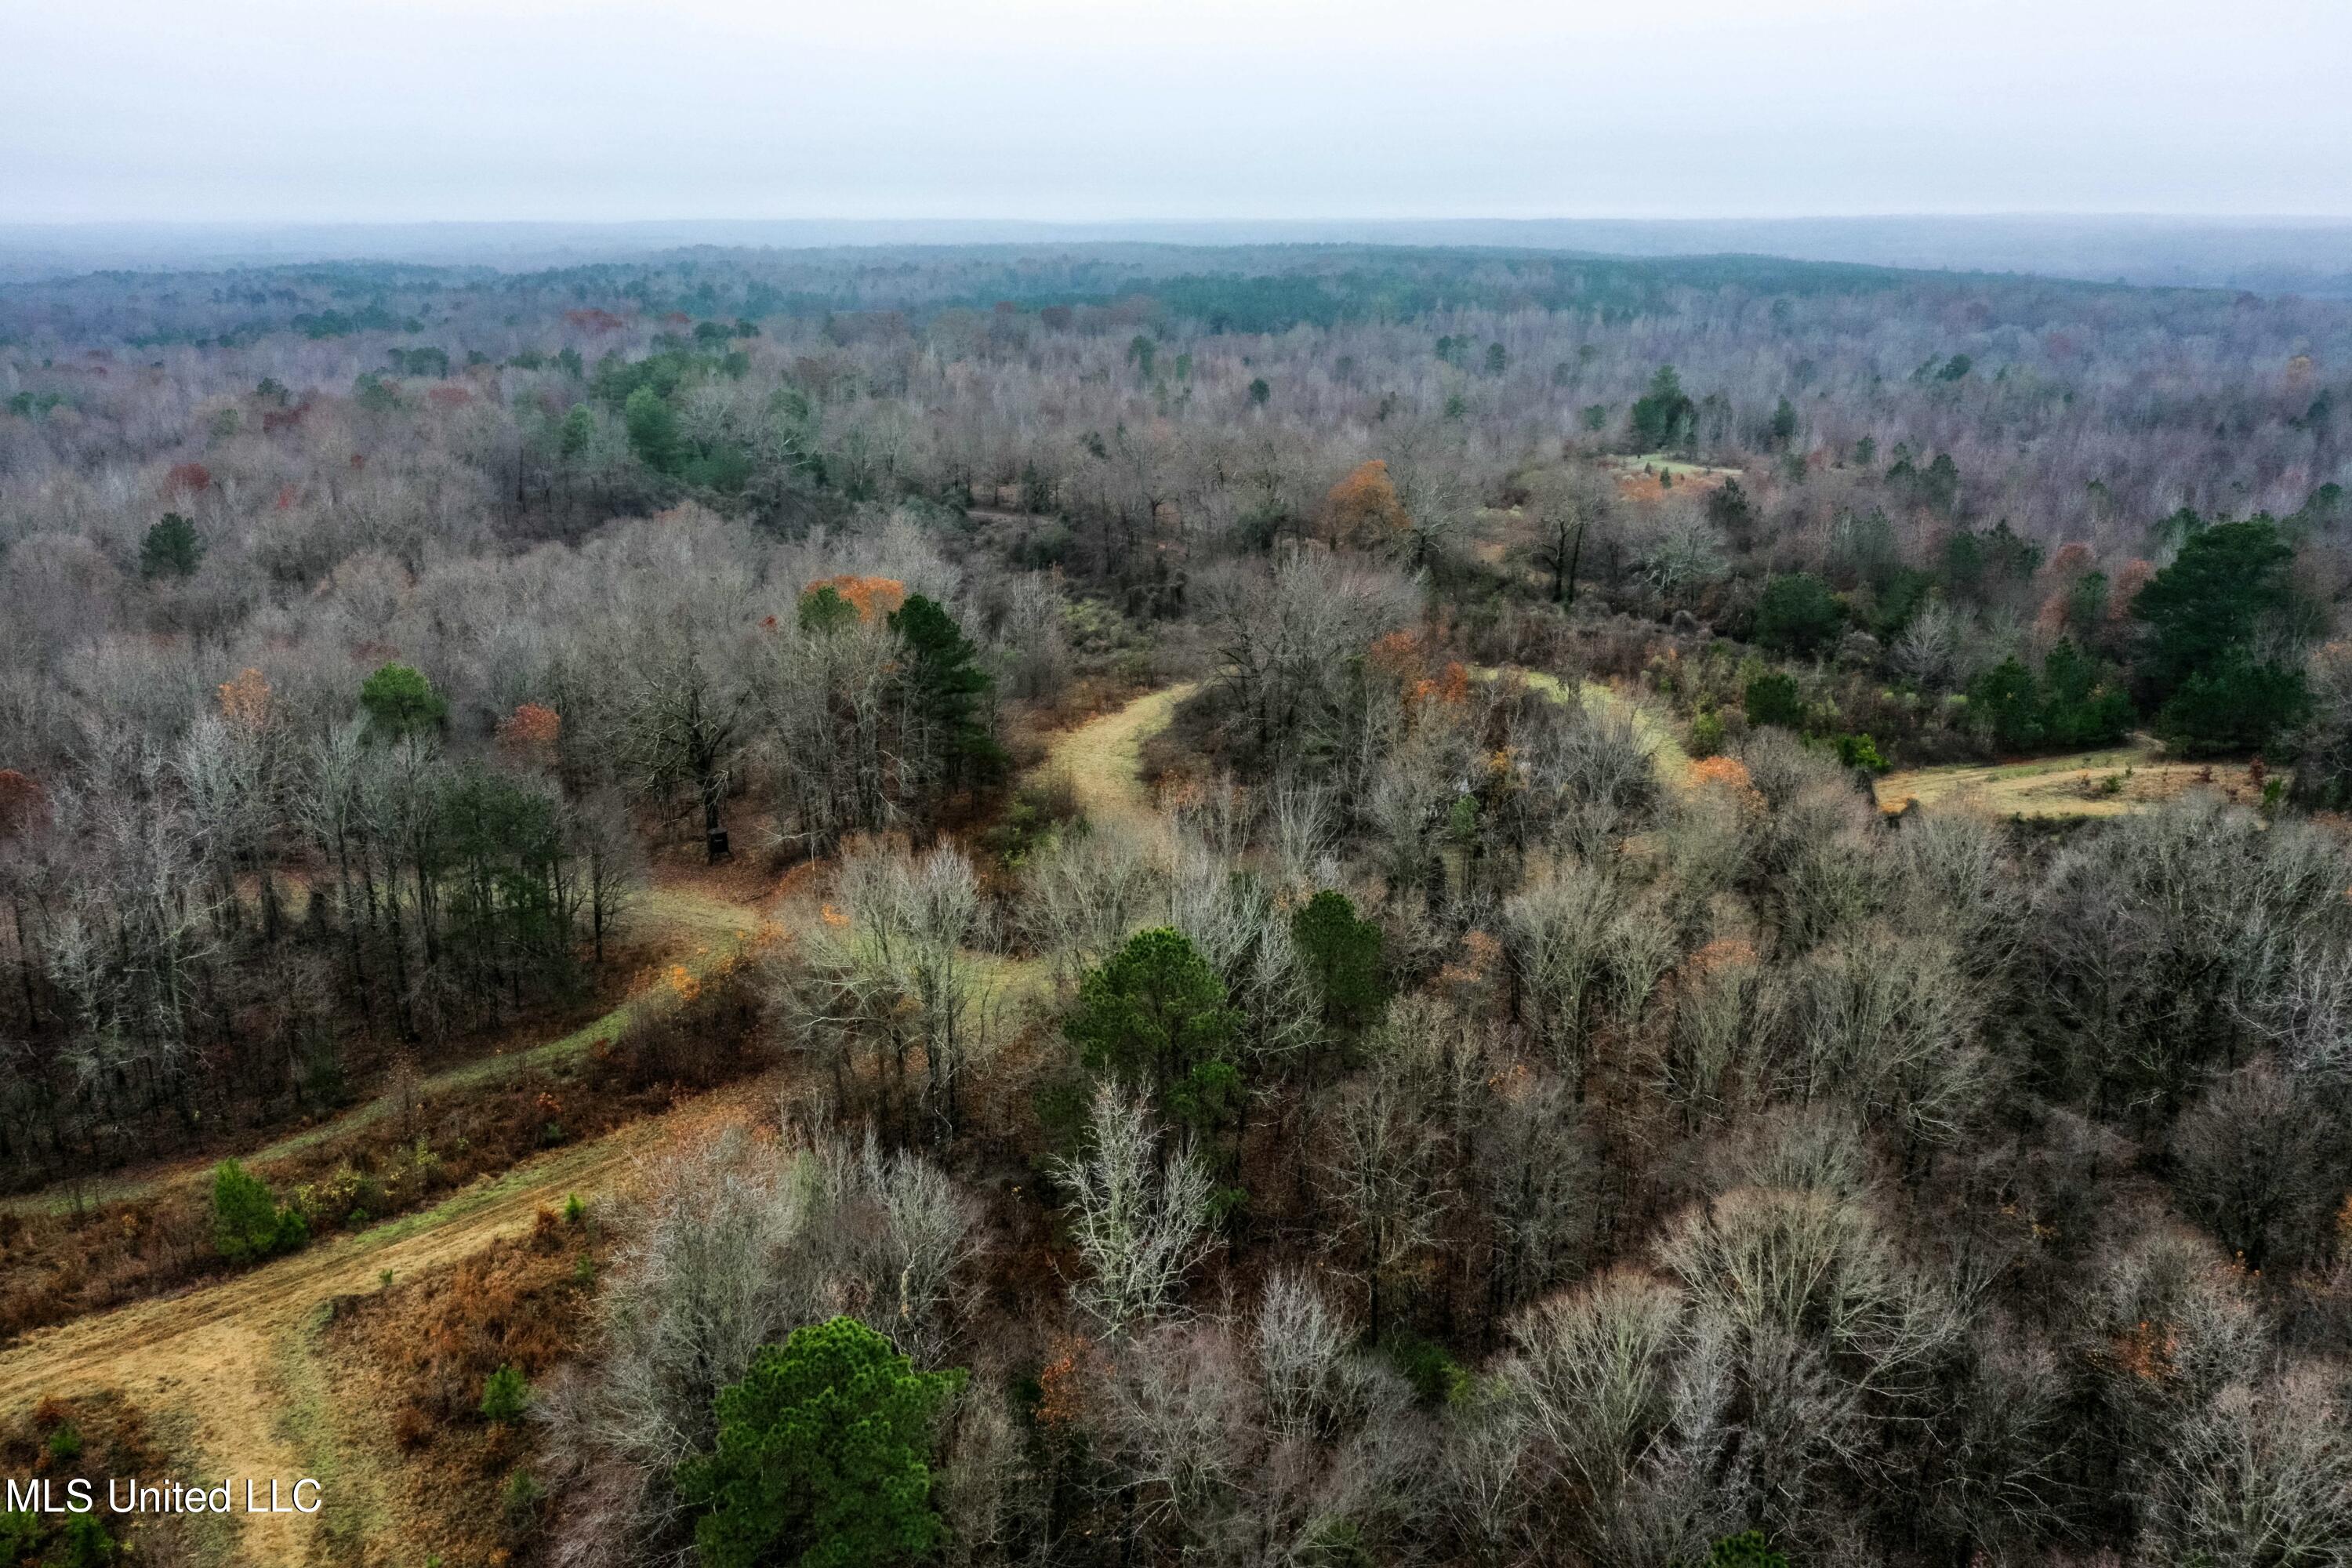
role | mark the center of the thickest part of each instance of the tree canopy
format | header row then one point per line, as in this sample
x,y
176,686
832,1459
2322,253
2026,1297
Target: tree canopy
x,y
947,685
1798,614
1665,417
822,1457
2202,614
173,548
1156,1010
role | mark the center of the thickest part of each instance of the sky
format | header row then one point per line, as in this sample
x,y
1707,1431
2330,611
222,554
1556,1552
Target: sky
x,y
1112,110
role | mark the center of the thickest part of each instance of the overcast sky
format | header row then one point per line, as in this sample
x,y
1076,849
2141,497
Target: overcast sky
x,y
263,111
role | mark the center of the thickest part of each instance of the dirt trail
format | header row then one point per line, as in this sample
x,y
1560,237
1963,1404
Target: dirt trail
x,y
2113,781
1102,757
234,1357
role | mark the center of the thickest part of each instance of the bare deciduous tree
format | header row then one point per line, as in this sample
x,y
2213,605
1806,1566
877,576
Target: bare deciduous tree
x,y
1139,1215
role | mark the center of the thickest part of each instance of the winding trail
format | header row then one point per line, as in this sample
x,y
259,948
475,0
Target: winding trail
x,y
1104,756
691,925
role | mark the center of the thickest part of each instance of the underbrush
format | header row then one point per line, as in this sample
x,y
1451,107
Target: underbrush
x,y
94,1439
456,1357
54,1267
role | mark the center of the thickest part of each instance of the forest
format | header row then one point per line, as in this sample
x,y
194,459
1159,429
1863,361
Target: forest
x,y
1310,905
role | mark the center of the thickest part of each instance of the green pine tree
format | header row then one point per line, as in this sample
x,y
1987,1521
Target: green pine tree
x,y
823,1456
173,548
1343,954
1156,1011
946,686
400,702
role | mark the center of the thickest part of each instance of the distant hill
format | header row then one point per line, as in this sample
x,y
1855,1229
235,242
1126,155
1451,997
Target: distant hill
x,y
2268,256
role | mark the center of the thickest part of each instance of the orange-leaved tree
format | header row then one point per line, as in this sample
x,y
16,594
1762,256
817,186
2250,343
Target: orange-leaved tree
x,y
1362,510
831,601
530,734
245,701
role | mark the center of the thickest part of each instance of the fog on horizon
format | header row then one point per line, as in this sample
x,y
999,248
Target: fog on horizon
x,y
597,111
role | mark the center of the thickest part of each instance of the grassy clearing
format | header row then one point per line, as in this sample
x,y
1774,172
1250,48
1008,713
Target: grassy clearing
x,y
1682,468
1655,477
2111,781
239,1360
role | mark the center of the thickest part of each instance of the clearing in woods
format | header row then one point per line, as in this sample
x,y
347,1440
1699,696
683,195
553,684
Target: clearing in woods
x,y
1655,731
238,1359
2111,781
1655,477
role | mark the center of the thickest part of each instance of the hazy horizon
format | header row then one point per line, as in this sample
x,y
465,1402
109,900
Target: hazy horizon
x,y
264,111
2275,256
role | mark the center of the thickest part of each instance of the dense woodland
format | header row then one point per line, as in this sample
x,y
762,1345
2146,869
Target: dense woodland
x,y
1514,1098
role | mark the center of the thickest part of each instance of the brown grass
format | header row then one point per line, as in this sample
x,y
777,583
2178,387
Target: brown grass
x,y
117,1441
238,1357
418,1354
1102,759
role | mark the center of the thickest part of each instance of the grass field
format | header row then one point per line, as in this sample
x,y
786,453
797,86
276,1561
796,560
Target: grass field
x,y
1680,468
2110,781
1655,477
239,1357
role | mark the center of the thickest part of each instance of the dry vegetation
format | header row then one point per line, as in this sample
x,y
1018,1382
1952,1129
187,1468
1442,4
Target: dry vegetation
x,y
1265,864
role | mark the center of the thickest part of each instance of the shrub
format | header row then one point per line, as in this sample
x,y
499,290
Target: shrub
x,y
1747,1550
1436,1377
83,1542
65,1443
518,1500
20,1535
1707,735
1773,699
506,1393
248,1223
1859,751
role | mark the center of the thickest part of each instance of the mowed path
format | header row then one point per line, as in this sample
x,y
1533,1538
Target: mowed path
x,y
235,1358
2112,781
1104,756
685,923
